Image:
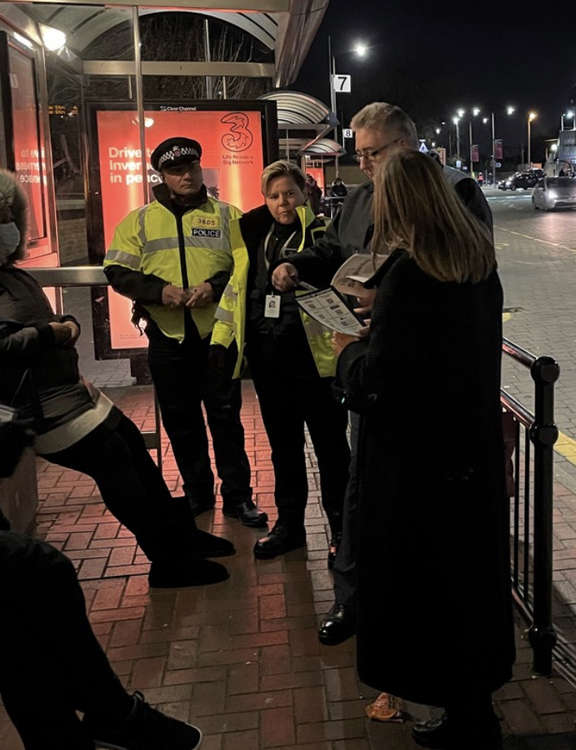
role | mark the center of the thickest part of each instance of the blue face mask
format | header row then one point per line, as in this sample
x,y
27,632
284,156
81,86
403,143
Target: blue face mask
x,y
9,240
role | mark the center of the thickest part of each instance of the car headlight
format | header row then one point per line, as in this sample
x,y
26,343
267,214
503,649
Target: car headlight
x,y
552,194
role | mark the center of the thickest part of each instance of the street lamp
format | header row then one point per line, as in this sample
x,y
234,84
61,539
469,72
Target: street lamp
x,y
570,116
360,49
509,111
531,116
475,113
456,121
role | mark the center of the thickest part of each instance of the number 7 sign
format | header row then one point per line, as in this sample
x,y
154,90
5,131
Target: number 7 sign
x,y
342,84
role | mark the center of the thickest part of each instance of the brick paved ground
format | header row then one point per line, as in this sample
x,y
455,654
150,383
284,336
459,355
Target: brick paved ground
x,y
241,659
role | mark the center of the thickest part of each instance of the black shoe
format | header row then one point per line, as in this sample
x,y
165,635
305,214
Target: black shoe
x,y
203,544
279,541
444,734
247,512
333,548
338,625
166,574
144,728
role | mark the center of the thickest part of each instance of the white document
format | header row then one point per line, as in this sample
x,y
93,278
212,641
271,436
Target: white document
x,y
328,308
355,271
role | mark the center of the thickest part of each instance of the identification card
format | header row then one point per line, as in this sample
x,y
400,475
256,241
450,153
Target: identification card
x,y
272,306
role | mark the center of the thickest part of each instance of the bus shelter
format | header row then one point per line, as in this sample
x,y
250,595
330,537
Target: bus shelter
x,y
87,89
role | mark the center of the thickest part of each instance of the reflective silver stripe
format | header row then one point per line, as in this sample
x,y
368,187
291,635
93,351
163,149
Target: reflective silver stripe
x,y
229,293
163,243
141,227
124,258
225,223
227,316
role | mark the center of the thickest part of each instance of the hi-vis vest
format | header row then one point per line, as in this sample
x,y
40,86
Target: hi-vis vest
x,y
147,240
231,312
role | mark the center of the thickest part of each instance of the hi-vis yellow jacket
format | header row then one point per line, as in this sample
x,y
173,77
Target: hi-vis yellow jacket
x,y
182,250
231,312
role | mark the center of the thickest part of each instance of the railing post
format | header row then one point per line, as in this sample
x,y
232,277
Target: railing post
x,y
544,433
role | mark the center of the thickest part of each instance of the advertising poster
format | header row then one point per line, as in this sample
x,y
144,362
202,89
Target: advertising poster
x,y
232,161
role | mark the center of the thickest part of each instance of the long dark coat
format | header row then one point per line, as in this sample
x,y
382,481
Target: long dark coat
x,y
435,614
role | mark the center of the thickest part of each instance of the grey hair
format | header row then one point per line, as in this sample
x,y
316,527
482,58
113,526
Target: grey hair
x,y
381,115
14,207
282,168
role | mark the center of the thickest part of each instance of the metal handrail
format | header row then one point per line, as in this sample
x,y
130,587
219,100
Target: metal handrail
x,y
542,433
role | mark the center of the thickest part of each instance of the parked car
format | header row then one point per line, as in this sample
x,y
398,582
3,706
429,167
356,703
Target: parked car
x,y
554,192
504,184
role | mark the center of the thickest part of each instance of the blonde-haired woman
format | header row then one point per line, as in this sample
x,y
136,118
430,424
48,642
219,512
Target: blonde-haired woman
x,y
433,500
290,358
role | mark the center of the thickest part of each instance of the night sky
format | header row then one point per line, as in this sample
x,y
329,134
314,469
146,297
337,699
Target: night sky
x,y
432,58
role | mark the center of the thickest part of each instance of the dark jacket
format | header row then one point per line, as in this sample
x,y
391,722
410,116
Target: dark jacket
x,y
36,374
352,228
435,613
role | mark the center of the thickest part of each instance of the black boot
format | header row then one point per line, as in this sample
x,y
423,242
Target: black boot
x,y
280,540
247,512
338,625
144,728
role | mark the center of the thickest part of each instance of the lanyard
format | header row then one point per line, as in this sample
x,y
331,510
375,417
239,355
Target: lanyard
x,y
284,246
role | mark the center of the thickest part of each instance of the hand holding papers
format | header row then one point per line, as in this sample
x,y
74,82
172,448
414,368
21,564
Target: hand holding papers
x,y
329,307
355,272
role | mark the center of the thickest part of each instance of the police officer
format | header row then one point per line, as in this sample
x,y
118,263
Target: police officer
x,y
173,258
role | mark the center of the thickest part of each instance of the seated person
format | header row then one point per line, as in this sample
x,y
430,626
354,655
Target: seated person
x,y
79,428
52,664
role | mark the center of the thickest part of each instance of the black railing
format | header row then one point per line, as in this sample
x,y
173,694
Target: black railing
x,y
531,516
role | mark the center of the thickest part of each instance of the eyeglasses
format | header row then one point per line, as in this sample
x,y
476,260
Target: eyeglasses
x,y
371,153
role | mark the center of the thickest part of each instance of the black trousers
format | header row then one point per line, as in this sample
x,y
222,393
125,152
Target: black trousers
x,y
178,372
131,485
287,405
344,570
51,663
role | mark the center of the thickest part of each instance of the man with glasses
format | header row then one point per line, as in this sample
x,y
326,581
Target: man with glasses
x,y
380,130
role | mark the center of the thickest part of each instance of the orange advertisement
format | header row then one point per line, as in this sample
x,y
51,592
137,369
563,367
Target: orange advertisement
x,y
318,174
232,161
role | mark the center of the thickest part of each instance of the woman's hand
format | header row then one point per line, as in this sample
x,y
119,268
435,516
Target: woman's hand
x,y
285,277
365,302
341,340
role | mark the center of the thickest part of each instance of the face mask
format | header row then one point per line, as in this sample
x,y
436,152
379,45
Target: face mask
x,y
9,240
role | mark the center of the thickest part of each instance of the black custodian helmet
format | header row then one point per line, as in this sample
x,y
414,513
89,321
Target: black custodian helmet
x,y
174,151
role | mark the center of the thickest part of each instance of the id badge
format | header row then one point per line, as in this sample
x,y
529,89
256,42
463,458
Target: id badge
x,y
272,306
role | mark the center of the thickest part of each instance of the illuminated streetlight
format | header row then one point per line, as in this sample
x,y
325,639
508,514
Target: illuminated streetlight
x,y
484,120
510,110
531,116
360,49
437,131
460,113
456,121
476,111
